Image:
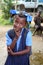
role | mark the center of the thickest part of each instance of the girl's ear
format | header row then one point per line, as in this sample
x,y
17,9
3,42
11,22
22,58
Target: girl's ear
x,y
25,24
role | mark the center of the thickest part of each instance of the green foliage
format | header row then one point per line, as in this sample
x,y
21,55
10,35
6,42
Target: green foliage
x,y
6,8
5,21
42,14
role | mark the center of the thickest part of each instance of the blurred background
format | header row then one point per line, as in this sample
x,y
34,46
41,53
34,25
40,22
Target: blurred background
x,y
32,7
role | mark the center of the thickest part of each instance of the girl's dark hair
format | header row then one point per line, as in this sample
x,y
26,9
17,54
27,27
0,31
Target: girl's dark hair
x,y
22,16
12,15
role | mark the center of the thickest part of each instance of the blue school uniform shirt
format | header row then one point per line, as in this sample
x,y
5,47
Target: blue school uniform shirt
x,y
28,39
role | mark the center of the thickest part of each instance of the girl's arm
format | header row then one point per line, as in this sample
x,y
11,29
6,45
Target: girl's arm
x,y
14,41
25,51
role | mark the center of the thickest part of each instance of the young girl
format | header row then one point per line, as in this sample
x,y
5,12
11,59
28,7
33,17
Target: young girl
x,y
19,42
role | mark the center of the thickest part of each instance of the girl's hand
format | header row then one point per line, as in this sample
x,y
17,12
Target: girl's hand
x,y
17,34
10,51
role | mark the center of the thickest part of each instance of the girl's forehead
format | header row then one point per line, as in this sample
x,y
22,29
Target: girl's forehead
x,y
17,18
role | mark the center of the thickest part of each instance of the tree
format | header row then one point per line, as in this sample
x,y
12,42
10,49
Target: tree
x,y
7,5
0,3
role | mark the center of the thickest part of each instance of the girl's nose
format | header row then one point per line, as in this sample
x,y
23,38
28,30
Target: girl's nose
x,y
18,24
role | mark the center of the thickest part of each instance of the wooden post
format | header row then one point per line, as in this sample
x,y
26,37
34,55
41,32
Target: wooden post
x,y
35,5
16,5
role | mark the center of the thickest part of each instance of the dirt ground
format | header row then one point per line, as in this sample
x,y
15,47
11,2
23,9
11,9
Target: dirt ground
x,y
37,45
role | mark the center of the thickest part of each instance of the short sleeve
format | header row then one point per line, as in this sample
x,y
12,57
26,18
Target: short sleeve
x,y
8,40
29,39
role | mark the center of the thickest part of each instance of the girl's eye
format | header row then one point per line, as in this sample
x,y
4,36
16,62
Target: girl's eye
x,y
16,21
21,23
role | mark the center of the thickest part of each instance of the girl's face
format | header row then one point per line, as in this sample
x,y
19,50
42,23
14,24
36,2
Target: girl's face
x,y
19,23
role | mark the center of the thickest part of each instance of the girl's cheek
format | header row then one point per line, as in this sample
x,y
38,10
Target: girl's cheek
x,y
21,26
15,24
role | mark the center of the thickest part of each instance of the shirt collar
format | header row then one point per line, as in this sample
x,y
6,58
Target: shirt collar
x,y
21,31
